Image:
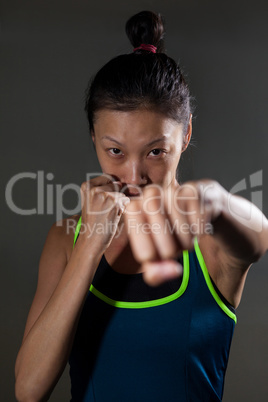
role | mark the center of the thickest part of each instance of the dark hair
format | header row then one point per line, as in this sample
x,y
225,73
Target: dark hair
x,y
141,79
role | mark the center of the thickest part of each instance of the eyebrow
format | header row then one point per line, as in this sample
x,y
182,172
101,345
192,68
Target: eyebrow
x,y
107,137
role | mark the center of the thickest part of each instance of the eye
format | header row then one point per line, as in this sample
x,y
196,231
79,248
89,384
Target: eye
x,y
157,152
115,151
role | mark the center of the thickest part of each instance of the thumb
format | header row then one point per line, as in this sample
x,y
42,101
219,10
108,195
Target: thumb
x,y
158,272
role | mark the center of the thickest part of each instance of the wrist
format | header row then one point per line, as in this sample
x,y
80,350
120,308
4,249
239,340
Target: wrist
x,y
89,247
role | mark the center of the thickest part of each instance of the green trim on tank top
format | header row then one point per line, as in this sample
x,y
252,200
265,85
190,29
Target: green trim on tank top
x,y
149,303
167,299
77,230
209,283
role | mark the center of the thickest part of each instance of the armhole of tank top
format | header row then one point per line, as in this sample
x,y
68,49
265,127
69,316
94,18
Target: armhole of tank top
x,y
210,286
77,230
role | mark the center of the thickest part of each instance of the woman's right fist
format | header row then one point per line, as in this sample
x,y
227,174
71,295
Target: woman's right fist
x,y
102,207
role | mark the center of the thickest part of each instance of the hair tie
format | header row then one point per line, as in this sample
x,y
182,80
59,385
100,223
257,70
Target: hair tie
x,y
149,48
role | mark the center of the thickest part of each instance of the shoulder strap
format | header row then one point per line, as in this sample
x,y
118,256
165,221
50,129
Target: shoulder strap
x,y
77,230
212,290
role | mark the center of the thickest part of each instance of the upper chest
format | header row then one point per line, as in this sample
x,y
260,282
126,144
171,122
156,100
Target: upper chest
x,y
118,255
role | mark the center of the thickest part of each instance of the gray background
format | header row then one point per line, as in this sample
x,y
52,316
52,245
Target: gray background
x,y
49,49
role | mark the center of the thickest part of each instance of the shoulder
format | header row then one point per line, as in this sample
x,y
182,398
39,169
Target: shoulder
x,y
59,240
60,237
63,232
53,261
55,255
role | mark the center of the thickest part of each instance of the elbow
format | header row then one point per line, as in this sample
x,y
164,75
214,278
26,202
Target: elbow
x,y
25,392
262,246
259,252
263,238
22,389
256,253
29,386
22,394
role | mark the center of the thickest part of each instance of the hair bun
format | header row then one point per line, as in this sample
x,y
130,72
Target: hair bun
x,y
146,27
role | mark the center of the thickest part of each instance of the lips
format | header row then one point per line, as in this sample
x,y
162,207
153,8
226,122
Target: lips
x,y
131,190
130,194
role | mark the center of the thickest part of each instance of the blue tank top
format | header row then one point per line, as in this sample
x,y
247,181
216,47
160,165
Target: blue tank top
x,y
172,348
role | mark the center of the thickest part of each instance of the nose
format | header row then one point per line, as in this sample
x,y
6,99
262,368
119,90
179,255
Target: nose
x,y
135,173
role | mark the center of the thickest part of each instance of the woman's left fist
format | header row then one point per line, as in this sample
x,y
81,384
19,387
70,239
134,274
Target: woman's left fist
x,y
163,222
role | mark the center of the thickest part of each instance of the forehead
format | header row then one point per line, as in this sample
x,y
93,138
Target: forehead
x,y
138,124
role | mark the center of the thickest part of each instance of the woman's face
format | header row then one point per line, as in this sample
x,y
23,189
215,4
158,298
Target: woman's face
x,y
139,147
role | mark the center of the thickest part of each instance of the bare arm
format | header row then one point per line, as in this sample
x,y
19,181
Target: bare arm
x,y
242,229
53,316
61,291
239,238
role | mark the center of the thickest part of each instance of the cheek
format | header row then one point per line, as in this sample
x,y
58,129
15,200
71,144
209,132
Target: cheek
x,y
163,171
109,166
101,155
171,163
170,167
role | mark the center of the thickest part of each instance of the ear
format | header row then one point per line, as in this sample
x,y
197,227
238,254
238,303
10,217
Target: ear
x,y
187,136
92,136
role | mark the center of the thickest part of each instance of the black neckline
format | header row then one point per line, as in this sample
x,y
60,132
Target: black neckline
x,y
130,287
110,268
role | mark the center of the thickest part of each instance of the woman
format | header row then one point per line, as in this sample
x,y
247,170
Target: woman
x,y
165,263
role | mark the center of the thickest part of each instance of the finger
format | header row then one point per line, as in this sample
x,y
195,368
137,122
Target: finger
x,y
138,231
212,200
159,272
191,203
98,181
162,237
177,207
196,218
110,188
114,200
121,200
101,181
100,200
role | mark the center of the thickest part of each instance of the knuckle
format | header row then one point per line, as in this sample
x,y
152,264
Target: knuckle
x,y
87,185
133,207
187,241
169,251
97,190
152,191
188,190
83,186
98,195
